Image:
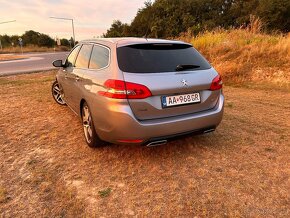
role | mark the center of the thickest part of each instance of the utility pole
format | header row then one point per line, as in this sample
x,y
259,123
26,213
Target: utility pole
x,y
72,23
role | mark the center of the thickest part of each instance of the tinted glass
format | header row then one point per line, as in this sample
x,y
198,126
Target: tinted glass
x,y
72,56
84,57
153,58
99,57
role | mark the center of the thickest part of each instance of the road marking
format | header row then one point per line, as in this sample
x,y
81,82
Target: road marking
x,y
22,60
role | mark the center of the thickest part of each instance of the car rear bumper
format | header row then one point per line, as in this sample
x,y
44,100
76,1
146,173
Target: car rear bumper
x,y
122,125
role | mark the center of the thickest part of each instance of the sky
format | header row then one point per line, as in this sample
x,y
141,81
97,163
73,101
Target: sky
x,y
91,18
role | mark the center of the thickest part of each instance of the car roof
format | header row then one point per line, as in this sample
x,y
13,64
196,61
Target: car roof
x,y
125,41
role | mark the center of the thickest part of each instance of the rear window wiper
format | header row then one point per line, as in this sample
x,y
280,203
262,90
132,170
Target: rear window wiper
x,y
182,67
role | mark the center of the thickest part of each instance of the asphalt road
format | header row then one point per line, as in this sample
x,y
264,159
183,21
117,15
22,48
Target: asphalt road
x,y
32,62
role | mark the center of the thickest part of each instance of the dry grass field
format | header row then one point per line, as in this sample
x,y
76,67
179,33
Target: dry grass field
x,y
246,55
46,169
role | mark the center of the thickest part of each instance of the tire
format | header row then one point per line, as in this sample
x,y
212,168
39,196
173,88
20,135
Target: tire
x,y
90,134
57,93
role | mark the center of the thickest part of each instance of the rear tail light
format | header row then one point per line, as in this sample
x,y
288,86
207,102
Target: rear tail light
x,y
216,83
124,90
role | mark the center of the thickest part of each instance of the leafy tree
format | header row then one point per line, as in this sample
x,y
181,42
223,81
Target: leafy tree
x,y
169,18
14,40
30,37
35,38
5,40
276,14
64,42
117,29
45,41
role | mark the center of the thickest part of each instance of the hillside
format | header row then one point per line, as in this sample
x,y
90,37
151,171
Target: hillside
x,y
246,55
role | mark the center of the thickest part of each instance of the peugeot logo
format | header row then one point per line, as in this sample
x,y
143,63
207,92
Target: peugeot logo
x,y
184,82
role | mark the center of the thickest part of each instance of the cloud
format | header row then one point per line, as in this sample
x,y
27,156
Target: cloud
x,y
91,18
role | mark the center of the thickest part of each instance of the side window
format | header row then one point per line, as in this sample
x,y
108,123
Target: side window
x,y
99,58
72,56
84,56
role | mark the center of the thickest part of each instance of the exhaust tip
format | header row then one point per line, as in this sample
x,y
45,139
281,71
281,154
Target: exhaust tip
x,y
156,143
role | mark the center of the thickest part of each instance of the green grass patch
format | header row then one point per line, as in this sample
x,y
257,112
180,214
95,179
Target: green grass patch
x,y
105,193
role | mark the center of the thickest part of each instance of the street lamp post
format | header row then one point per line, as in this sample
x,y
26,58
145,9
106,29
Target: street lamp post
x,y
10,21
72,23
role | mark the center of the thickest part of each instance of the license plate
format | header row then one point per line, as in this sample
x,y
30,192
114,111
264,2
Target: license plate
x,y
175,100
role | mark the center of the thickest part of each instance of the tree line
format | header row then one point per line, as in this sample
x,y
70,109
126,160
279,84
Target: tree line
x,y
169,18
31,38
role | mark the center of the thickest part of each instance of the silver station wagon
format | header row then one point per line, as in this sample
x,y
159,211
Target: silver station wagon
x,y
139,91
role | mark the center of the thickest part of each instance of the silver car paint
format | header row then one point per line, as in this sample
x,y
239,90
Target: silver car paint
x,y
120,119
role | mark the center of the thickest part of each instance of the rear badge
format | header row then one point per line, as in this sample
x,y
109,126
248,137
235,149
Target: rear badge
x,y
184,82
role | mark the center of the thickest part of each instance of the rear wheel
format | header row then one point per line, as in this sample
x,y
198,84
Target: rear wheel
x,y
91,136
57,94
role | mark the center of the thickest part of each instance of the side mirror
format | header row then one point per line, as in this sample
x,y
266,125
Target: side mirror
x,y
57,63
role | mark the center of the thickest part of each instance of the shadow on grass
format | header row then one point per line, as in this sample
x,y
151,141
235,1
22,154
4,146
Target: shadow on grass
x,y
183,145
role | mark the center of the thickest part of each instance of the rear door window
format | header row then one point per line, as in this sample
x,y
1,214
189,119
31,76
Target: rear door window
x,y
156,58
84,56
100,57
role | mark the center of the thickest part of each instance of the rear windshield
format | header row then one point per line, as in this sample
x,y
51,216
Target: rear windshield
x,y
155,58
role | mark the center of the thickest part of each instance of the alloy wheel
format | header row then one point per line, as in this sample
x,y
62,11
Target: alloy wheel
x,y
57,95
87,123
